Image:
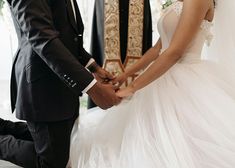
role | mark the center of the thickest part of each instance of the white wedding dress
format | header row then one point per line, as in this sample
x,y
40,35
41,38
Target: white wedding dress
x,y
184,119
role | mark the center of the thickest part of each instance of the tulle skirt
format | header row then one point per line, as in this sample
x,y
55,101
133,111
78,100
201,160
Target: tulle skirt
x,y
184,119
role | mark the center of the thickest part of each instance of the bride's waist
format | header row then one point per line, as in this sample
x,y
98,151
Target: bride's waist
x,y
190,58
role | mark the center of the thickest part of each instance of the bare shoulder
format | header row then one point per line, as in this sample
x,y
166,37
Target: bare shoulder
x,y
193,13
204,8
197,5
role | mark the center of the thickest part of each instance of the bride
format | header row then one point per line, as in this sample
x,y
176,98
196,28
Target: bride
x,y
179,113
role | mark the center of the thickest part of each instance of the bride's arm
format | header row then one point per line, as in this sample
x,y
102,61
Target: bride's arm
x,y
146,59
194,11
142,63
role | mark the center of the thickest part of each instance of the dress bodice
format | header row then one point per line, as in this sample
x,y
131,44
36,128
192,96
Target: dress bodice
x,y
167,25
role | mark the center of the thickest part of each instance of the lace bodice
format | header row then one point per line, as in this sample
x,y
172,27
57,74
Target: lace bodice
x,y
167,25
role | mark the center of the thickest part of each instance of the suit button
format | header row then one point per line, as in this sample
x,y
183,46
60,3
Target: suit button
x,y
76,39
74,85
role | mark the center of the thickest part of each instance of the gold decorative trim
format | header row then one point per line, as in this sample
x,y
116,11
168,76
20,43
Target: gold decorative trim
x,y
112,52
135,28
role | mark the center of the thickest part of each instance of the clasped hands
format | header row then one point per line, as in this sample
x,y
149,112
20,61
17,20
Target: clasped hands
x,y
105,77
106,92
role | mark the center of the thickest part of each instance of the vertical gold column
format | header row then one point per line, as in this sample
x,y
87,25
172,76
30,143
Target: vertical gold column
x,y
112,61
135,34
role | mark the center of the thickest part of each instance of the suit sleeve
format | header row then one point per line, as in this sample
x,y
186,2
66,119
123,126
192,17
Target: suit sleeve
x,y
35,20
86,57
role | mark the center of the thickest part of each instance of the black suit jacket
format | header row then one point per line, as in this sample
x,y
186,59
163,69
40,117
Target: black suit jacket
x,y
48,71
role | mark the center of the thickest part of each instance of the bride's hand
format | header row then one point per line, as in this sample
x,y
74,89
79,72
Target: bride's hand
x,y
125,92
119,80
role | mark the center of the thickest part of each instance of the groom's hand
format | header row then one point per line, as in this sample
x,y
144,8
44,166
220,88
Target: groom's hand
x,y
103,76
103,95
100,74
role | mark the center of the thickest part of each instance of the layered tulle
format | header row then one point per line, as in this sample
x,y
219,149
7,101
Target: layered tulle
x,y
185,119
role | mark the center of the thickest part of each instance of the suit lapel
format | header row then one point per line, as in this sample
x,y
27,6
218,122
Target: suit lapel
x,y
71,15
79,19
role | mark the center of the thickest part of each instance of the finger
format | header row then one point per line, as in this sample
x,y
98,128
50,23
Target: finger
x,y
107,74
114,81
98,78
115,87
119,94
116,100
106,80
120,83
109,86
119,100
110,76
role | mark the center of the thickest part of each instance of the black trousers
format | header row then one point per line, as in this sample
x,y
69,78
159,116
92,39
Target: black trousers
x,y
49,147
16,144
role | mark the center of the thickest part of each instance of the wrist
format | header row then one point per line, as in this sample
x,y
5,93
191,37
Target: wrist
x,y
127,74
132,87
94,90
93,68
130,72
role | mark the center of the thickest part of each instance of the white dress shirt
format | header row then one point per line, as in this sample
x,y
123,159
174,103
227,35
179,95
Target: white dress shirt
x,y
93,82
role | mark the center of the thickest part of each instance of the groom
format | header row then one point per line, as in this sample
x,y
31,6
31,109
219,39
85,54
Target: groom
x,y
50,71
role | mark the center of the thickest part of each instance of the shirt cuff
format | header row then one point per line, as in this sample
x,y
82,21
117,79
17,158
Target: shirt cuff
x,y
89,62
89,86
